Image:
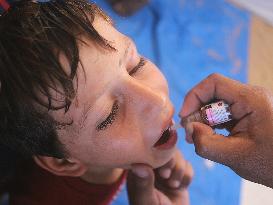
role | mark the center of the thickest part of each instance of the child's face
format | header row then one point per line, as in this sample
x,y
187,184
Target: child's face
x,y
138,105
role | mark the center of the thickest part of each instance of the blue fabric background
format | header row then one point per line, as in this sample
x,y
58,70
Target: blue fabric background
x,y
188,40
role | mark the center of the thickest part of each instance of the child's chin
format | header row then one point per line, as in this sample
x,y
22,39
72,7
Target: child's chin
x,y
163,159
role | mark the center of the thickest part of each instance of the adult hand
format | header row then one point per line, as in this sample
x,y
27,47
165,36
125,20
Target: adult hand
x,y
248,150
166,185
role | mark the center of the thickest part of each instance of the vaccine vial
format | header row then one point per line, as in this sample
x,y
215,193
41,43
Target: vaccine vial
x,y
211,114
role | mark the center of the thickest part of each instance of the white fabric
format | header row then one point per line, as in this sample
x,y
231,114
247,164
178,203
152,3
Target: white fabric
x,y
255,194
262,8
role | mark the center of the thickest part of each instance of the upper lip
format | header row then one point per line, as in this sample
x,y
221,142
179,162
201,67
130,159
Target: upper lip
x,y
166,124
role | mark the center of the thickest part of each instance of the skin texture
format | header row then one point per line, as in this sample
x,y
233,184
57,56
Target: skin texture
x,y
248,150
142,99
144,112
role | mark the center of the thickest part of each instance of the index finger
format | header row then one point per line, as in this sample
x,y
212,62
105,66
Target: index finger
x,y
213,87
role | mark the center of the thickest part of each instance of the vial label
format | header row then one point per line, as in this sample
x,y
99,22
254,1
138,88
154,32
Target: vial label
x,y
217,113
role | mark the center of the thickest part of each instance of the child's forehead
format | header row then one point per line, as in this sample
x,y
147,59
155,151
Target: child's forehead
x,y
91,83
92,57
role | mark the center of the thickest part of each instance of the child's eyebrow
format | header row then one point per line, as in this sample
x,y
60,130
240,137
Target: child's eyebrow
x,y
128,46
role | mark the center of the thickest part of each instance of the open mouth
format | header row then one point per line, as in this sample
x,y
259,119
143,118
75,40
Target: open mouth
x,y
164,137
167,140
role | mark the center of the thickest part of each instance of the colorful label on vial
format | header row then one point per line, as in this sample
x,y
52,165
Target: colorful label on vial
x,y
217,113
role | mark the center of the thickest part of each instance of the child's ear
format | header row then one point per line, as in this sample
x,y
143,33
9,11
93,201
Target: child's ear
x,y
61,167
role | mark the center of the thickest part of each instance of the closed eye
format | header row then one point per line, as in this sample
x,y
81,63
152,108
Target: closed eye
x,y
112,116
141,63
110,119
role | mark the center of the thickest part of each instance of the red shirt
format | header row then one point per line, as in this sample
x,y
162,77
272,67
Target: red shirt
x,y
40,187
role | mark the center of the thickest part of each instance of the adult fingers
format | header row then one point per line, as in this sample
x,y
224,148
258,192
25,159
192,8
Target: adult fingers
x,y
181,176
166,170
218,148
140,185
213,87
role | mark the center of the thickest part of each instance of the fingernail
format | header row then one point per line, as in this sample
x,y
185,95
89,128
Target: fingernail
x,y
140,172
165,173
174,183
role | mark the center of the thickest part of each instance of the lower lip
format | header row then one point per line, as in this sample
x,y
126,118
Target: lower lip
x,y
171,141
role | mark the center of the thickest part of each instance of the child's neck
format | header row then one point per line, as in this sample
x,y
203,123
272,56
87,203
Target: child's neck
x,y
107,176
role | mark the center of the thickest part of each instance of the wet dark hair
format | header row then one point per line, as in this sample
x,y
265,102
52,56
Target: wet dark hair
x,y
32,38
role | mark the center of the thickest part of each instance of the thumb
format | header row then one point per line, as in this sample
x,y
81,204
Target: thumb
x,y
213,146
140,185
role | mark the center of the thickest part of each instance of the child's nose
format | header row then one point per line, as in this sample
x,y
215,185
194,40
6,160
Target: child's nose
x,y
145,98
